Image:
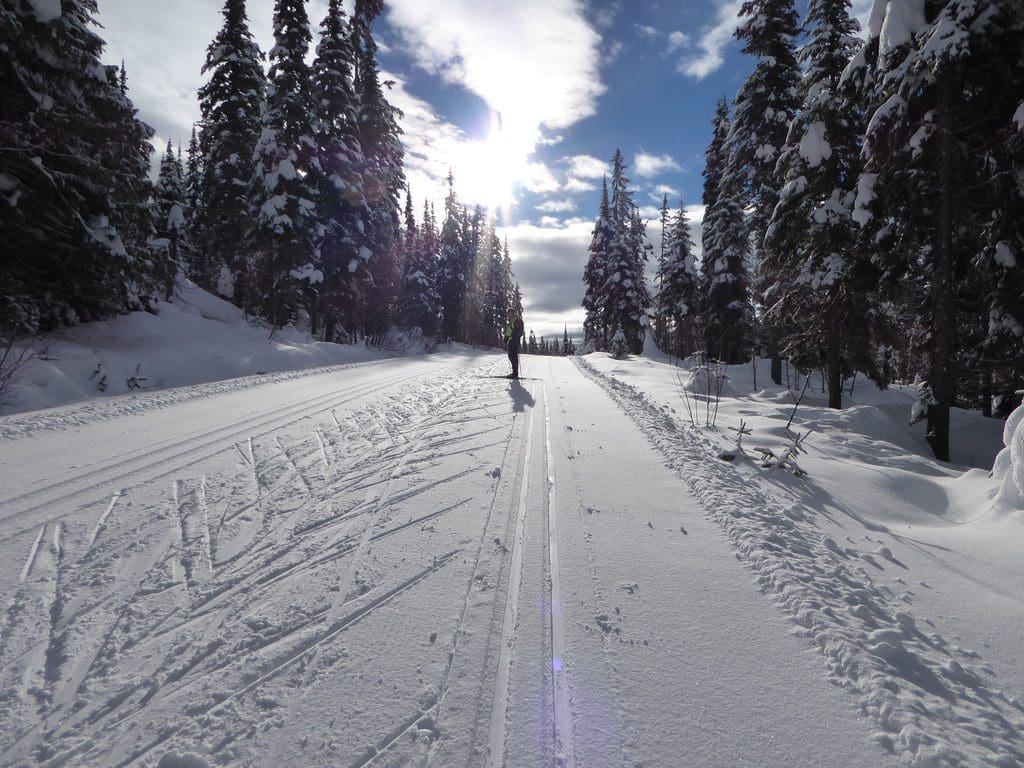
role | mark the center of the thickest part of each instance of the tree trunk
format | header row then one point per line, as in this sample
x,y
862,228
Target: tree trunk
x,y
941,375
834,367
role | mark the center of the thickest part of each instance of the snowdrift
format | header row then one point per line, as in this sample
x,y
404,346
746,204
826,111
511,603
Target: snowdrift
x,y
1008,469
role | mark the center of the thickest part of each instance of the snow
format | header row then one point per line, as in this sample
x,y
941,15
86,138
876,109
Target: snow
x,y
1008,469
195,339
1018,116
903,20
1004,255
865,194
813,146
45,10
413,561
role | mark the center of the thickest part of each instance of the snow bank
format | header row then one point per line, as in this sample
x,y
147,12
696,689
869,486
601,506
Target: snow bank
x,y
196,338
1008,469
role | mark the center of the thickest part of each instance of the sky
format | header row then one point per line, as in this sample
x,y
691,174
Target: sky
x,y
525,102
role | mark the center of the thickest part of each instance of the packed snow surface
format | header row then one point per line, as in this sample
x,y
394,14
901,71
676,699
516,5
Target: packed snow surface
x,y
415,561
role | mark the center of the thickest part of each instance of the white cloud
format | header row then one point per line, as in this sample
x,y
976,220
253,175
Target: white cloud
x,y
548,260
431,144
677,40
539,179
654,165
587,167
574,185
646,31
660,190
481,46
712,42
557,206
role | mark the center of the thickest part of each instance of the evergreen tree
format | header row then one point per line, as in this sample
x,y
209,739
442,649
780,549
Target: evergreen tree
x,y
285,194
230,105
943,94
728,315
419,297
820,286
170,220
344,251
595,326
764,108
677,301
453,266
382,172
194,204
64,120
126,152
625,289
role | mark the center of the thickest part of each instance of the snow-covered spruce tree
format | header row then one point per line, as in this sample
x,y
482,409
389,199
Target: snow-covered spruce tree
x,y
497,305
285,182
419,294
943,81
127,151
625,288
677,301
663,321
63,118
344,252
453,266
595,324
382,173
763,108
230,103
727,316
819,288
170,210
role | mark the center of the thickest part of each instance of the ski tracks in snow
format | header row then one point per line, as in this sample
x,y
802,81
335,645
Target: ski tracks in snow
x,y
933,705
236,587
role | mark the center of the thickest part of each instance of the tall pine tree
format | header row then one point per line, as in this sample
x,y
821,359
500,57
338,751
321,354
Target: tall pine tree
x,y
230,104
65,121
763,109
943,89
820,288
342,207
678,296
285,194
727,315
382,172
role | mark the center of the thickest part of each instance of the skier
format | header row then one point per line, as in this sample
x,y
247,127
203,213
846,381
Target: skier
x,y
514,333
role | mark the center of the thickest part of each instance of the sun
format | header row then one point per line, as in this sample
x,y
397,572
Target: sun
x,y
487,170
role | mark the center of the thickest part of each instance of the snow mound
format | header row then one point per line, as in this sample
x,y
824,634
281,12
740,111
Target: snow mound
x,y
182,760
1008,469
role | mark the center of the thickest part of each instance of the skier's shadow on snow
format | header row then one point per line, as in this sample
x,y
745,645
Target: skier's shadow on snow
x,y
521,399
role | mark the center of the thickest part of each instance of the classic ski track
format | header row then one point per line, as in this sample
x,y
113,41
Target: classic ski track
x,y
178,677
562,719
499,702
422,425
173,455
432,709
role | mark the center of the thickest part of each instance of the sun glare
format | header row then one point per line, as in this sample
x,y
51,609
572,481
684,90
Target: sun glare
x,y
487,170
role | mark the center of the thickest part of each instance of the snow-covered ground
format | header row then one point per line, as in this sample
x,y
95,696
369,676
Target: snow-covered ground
x,y
414,562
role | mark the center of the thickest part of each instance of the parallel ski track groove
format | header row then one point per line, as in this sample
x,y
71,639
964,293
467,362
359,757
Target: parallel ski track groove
x,y
499,702
562,716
